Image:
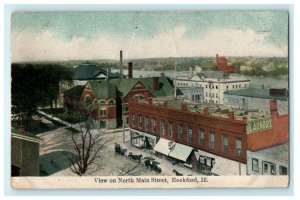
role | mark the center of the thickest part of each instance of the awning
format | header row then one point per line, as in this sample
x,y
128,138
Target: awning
x,y
223,166
162,146
181,152
145,134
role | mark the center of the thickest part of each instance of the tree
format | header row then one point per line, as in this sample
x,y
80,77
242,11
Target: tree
x,y
87,145
35,85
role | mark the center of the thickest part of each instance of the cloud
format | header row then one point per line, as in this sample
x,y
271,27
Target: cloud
x,y
229,42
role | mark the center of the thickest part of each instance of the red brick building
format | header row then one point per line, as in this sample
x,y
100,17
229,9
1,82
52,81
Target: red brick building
x,y
108,99
208,136
223,65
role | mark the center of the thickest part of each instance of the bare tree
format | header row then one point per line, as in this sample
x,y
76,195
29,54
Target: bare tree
x,y
87,147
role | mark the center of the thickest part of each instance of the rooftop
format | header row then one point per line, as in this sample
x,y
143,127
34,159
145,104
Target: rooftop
x,y
112,87
257,93
213,109
88,71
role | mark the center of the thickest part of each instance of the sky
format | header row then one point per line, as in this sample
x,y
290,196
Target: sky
x,y
54,36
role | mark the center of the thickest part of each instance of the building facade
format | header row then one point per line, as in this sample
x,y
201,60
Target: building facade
x,y
213,88
24,153
210,137
252,98
108,99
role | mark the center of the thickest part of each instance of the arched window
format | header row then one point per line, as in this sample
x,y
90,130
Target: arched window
x,y
87,100
102,103
111,102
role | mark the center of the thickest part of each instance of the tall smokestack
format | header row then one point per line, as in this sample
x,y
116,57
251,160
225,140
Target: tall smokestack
x,y
121,64
130,70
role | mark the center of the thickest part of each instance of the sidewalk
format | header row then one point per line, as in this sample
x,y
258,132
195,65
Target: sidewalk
x,y
166,165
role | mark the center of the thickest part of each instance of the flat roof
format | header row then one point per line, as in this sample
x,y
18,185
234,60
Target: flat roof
x,y
213,109
256,93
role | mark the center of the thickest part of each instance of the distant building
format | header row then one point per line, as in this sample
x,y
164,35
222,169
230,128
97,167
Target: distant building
x,y
213,84
253,98
90,71
223,65
209,138
24,153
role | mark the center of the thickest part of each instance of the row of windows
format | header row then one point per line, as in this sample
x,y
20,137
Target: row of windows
x,y
211,95
267,167
101,102
236,86
189,134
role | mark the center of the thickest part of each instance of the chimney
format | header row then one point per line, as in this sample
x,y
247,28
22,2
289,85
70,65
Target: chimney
x,y
130,70
183,107
205,111
273,107
121,64
230,115
155,83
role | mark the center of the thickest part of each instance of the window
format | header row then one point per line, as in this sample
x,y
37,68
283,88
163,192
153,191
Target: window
x,y
153,125
102,112
206,86
232,86
216,95
102,124
140,121
255,165
213,95
200,136
216,87
245,85
133,119
227,87
162,127
211,144
125,107
224,143
127,120
206,94
180,131
269,168
111,102
282,170
239,85
238,147
87,100
146,124
170,129
102,103
189,134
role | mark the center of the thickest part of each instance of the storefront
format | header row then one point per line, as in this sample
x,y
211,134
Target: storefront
x,y
211,164
142,140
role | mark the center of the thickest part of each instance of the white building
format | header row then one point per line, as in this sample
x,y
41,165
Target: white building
x,y
213,88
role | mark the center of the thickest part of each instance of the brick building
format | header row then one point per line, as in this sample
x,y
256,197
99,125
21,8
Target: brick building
x,y
208,137
222,64
109,98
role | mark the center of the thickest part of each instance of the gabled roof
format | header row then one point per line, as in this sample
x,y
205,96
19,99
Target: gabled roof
x,y
88,71
103,89
113,87
75,91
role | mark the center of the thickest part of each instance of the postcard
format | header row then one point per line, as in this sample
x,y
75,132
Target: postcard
x,y
150,99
